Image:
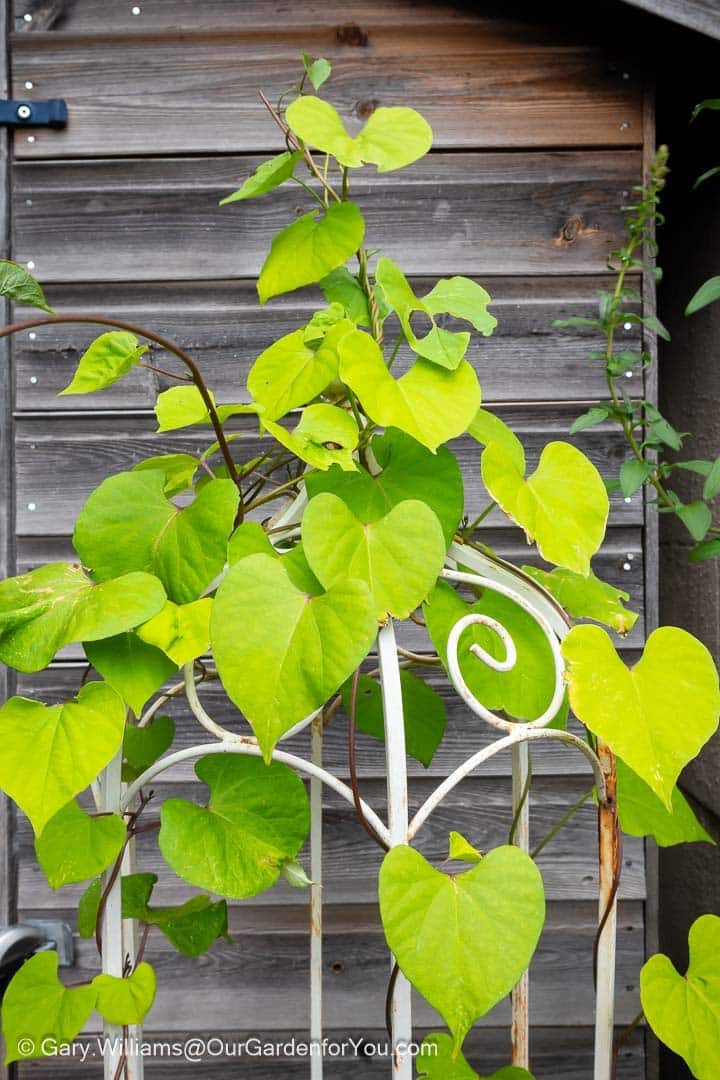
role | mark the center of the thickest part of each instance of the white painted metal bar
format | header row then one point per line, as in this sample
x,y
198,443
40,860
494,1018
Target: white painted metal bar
x,y
113,955
396,765
521,813
316,909
248,745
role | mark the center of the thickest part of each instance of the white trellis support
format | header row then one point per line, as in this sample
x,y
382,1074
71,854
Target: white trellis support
x,y
479,571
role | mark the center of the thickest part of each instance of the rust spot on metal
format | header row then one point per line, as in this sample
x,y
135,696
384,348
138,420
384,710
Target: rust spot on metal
x,y
351,34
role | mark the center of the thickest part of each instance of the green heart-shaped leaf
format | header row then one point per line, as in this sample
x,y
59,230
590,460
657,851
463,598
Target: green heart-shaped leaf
x,y
38,1014
127,1000
424,713
268,176
642,813
527,689
463,941
52,752
563,506
684,1010
439,1060
429,402
399,556
391,139
128,523
408,471
109,357
133,668
191,928
182,631
309,248
144,745
58,604
324,436
293,371
74,846
587,597
281,652
258,818
635,711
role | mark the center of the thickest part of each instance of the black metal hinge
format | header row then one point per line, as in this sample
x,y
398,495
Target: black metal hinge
x,y
52,113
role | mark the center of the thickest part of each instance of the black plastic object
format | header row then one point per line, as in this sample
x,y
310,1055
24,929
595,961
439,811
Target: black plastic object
x,y
52,113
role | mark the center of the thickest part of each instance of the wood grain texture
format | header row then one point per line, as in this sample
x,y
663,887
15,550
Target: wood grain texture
x,y
479,84
700,15
491,213
224,328
85,448
557,1053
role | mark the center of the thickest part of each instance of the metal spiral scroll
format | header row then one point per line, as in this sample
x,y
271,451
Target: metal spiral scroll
x,y
482,572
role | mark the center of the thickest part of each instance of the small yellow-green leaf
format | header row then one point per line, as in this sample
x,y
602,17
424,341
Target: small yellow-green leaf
x,y
309,248
74,846
486,427
289,373
182,631
430,403
684,1010
587,597
461,849
325,435
635,711
439,1060
268,176
179,470
562,506
109,357
127,1000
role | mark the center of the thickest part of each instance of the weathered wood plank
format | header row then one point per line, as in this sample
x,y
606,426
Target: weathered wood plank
x,y
224,327
480,808
700,15
85,448
478,84
263,977
457,213
557,1054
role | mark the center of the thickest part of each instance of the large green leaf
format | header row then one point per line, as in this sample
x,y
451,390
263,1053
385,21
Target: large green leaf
x,y
309,248
424,713
684,1010
109,357
458,296
17,284
290,372
258,818
144,745
408,471
133,668
39,1015
438,1060
398,556
526,690
280,652
324,436
268,176
52,752
391,139
74,846
636,711
58,604
128,523
562,506
642,813
127,1000
191,927
464,940
429,402
587,597
182,631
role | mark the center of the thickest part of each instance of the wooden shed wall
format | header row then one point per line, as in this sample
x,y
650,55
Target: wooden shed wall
x,y
540,134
